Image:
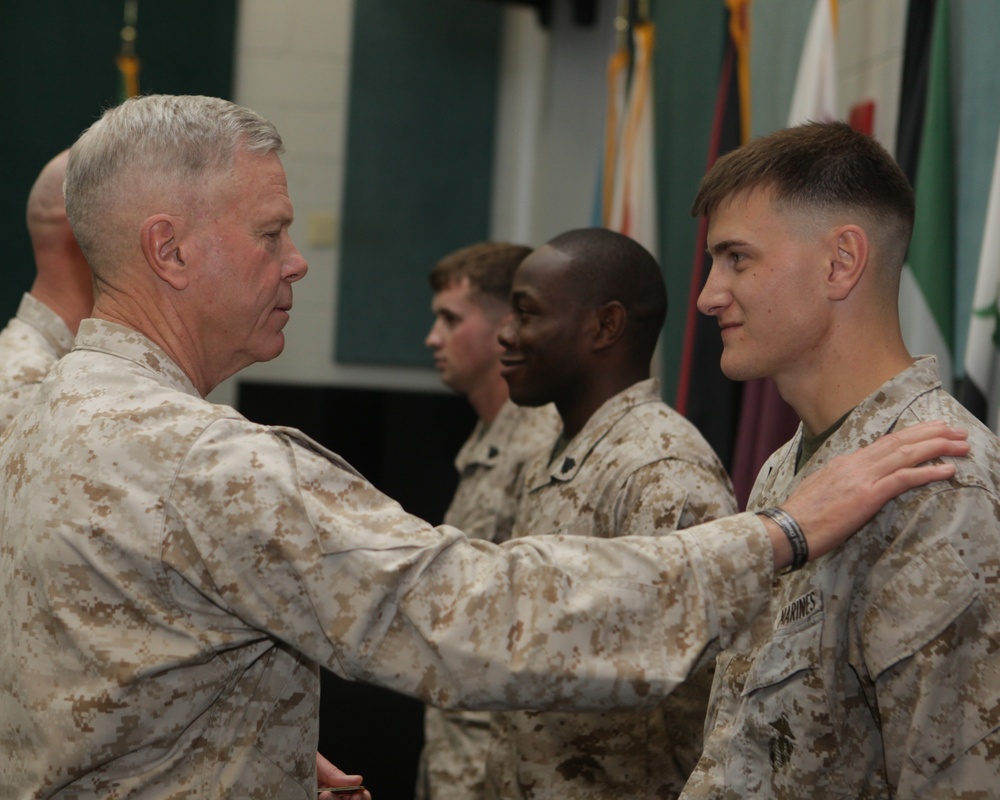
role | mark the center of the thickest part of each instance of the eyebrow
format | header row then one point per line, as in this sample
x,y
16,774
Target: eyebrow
x,y
277,217
724,245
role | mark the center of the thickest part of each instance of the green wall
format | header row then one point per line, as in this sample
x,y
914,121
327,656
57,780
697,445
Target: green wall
x,y
57,60
689,46
419,166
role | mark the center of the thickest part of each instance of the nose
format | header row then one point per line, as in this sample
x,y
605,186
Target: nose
x,y
295,266
433,340
714,296
507,335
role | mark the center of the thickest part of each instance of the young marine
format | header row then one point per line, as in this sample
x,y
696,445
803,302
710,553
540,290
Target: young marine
x,y
588,310
471,304
873,673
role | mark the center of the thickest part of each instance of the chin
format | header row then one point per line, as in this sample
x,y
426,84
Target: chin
x,y
272,352
740,372
523,398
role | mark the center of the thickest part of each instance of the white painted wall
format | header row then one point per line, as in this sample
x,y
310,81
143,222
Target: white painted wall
x,y
292,66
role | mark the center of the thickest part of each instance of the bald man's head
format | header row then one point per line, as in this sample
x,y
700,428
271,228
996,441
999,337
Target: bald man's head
x,y
46,212
63,280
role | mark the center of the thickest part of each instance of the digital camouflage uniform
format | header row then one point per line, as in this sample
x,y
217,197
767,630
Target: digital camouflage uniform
x,y
171,574
30,345
488,467
878,673
453,761
636,467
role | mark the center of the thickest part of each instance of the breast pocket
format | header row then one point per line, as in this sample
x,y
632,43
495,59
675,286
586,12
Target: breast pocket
x,y
782,680
789,732
931,640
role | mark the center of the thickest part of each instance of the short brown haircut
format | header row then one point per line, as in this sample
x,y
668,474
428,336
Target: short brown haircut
x,y
820,166
488,266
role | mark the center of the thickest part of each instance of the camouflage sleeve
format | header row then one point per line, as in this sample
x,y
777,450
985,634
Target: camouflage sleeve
x,y
931,634
291,541
30,345
670,494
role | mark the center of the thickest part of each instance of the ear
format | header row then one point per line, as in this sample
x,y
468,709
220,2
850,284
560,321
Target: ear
x,y
611,318
161,248
851,249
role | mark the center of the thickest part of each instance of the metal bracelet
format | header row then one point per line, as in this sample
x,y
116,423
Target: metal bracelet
x,y
791,529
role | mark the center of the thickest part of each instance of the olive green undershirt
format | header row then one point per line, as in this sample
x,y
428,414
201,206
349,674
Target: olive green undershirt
x,y
811,443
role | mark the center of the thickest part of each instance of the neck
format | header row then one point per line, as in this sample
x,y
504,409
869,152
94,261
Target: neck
x,y
157,322
63,283
833,384
72,308
488,398
579,406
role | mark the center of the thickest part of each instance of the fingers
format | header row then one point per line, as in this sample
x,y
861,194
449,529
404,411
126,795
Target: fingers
x,y
330,776
904,454
835,501
903,480
922,442
926,430
343,792
901,450
351,781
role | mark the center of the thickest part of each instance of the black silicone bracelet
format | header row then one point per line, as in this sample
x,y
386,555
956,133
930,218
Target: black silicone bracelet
x,y
791,529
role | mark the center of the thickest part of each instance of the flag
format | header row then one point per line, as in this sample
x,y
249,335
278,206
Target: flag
x,y
815,95
628,189
704,394
925,151
617,88
980,389
766,421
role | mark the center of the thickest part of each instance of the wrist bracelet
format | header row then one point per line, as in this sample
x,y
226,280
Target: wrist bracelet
x,y
791,529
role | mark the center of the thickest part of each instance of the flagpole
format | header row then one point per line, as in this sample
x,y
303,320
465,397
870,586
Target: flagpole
x,y
127,60
617,79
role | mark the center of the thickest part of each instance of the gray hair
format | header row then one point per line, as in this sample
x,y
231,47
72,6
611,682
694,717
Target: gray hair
x,y
163,144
